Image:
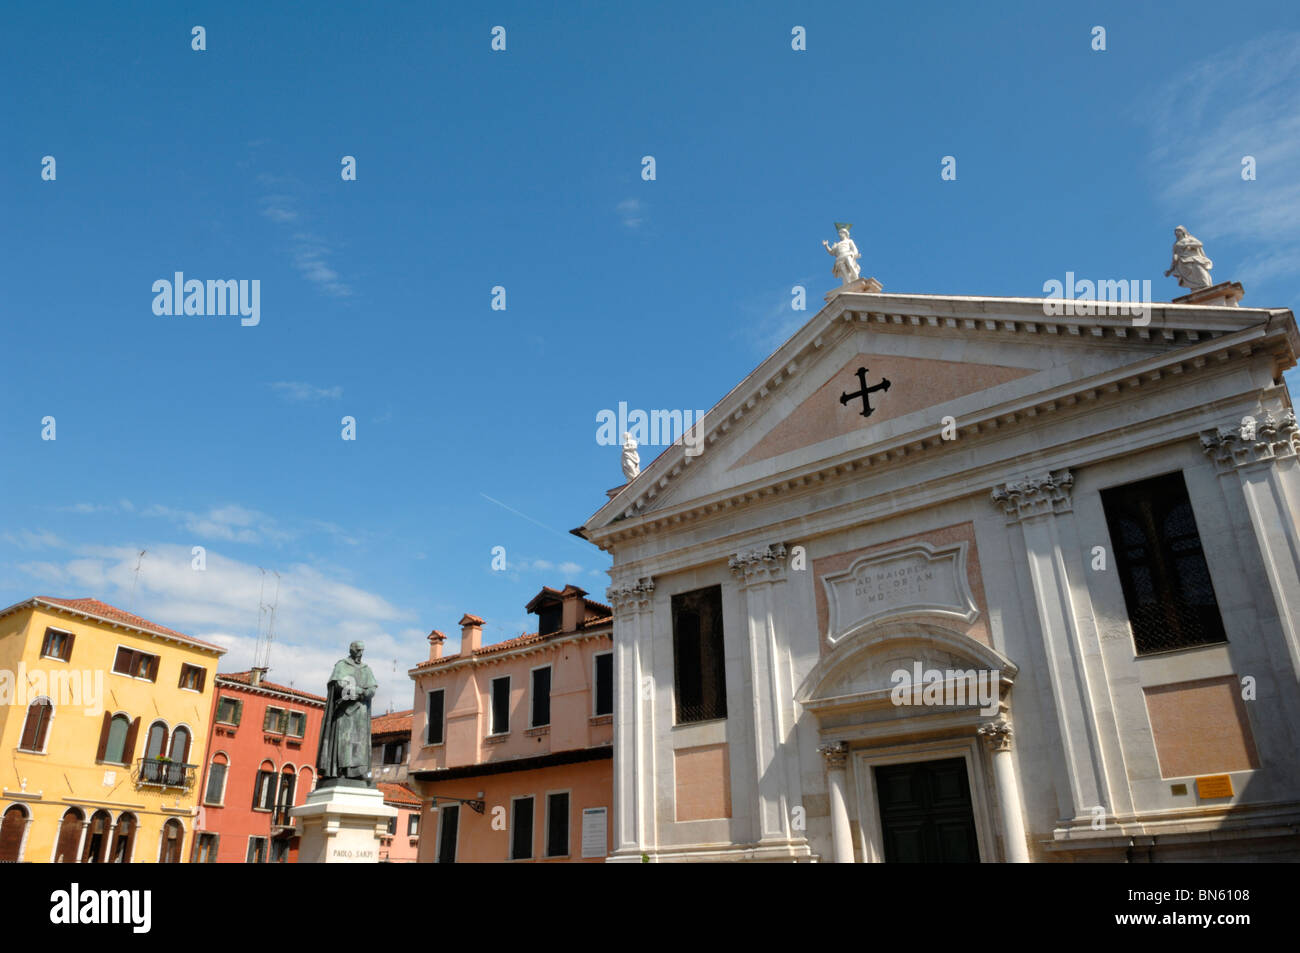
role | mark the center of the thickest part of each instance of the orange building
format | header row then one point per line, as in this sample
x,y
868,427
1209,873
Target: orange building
x,y
512,743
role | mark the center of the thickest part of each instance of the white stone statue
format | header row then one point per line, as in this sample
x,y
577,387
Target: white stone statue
x,y
1189,264
845,254
631,459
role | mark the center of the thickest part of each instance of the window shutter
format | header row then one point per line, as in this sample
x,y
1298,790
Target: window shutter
x,y
203,678
67,646
257,788
153,668
284,722
128,749
103,735
184,670
239,711
31,726
268,719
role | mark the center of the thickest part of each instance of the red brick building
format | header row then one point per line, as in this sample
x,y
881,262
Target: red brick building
x,y
261,762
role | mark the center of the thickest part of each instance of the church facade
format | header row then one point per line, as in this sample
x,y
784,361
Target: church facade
x,y
1037,599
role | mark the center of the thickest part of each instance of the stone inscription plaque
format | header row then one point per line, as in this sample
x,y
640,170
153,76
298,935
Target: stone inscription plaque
x,y
918,578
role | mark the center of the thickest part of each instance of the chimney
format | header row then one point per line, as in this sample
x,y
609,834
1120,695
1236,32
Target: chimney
x,y
256,675
471,633
574,609
436,639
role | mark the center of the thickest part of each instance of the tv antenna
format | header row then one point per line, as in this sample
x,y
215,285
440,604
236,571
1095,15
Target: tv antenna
x,y
130,605
262,651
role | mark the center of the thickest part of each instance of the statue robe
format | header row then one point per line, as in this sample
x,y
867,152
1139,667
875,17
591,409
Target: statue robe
x,y
345,730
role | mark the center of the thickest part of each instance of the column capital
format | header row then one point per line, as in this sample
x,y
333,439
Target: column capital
x,y
1252,441
836,754
760,564
997,735
1035,495
629,597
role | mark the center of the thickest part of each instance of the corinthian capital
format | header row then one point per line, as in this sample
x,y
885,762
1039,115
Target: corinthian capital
x,y
997,735
1252,441
632,596
836,754
761,564
1035,495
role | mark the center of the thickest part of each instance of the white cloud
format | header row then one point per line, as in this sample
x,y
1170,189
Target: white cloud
x,y
302,391
631,213
230,522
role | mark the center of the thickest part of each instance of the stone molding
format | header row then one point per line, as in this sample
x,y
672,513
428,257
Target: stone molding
x,y
631,597
758,565
1253,441
1045,493
997,735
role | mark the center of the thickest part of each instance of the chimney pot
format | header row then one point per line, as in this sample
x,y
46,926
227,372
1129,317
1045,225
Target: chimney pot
x,y
471,633
436,639
573,609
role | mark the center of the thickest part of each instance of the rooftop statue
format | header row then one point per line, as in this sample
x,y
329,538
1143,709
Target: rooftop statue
x,y
845,254
1190,264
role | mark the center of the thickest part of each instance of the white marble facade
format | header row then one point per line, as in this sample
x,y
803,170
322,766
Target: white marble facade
x,y
959,528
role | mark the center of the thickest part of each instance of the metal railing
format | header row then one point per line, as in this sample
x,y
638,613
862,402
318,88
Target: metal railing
x,y
166,773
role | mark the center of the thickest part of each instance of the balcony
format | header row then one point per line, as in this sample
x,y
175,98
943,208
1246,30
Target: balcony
x,y
280,819
159,772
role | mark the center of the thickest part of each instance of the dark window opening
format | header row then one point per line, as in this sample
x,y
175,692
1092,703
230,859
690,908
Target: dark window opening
x,y
699,671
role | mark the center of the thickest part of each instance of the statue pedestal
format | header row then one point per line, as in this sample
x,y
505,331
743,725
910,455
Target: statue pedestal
x,y
860,286
342,825
1225,294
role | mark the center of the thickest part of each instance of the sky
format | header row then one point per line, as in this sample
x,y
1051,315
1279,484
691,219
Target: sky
x,y
524,169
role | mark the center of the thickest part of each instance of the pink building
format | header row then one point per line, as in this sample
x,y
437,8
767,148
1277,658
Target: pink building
x,y
511,747
401,845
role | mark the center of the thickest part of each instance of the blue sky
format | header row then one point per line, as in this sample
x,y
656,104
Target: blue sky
x,y
522,169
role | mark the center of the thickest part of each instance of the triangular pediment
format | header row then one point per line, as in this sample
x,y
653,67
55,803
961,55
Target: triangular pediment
x,y
981,362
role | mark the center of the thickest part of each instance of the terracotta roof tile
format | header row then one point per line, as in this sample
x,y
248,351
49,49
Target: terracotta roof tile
x,y
399,794
246,678
103,610
396,721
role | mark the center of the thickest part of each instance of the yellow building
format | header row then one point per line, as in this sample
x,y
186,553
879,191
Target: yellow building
x,y
104,719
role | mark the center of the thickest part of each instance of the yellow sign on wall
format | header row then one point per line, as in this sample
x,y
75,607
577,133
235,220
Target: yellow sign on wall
x,y
1214,785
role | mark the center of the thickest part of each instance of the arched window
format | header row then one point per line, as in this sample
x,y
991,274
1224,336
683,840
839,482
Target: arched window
x,y
115,748
172,836
215,792
96,838
180,747
65,851
12,828
264,787
123,838
155,747
37,725
307,779
284,798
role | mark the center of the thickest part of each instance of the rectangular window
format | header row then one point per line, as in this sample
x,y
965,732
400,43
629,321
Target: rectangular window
x,y
392,826
501,705
394,752
557,825
605,684
57,645
413,825
256,850
228,710
521,829
193,677
448,829
136,664
207,849
541,696
698,668
272,721
434,701
264,791
297,724
280,850
216,783
1161,566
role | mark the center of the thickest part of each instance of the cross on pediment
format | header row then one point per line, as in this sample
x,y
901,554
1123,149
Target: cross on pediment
x,y
865,392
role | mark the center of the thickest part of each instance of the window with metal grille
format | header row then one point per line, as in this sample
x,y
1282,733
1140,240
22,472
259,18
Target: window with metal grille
x,y
698,668
1162,569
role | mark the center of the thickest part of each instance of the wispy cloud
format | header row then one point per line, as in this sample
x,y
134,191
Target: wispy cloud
x,y
1243,101
230,523
302,391
631,213
310,253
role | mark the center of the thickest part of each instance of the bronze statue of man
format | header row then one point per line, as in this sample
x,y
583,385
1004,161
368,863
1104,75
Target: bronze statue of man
x,y
345,732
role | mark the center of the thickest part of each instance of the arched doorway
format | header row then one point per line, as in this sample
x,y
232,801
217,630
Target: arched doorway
x,y
12,828
96,838
124,839
65,851
173,834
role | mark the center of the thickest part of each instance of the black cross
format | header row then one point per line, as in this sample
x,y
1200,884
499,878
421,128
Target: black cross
x,y
866,392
